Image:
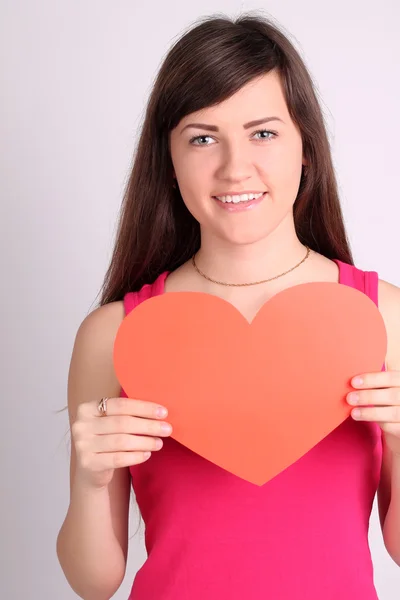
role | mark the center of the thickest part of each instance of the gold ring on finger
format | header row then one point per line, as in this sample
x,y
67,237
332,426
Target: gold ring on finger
x,y
102,407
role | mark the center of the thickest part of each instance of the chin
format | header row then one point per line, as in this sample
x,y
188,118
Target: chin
x,y
245,238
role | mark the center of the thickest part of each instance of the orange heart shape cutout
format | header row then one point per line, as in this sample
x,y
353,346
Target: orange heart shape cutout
x,y
251,398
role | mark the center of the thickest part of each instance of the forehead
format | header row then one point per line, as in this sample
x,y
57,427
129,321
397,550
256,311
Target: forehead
x,y
260,97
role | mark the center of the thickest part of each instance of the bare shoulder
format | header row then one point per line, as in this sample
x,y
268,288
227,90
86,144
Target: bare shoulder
x,y
389,292
389,303
389,306
103,321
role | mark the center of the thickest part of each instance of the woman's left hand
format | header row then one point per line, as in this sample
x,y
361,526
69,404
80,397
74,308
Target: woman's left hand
x,y
378,399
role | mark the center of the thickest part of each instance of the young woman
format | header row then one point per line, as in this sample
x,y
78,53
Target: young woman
x,y
232,193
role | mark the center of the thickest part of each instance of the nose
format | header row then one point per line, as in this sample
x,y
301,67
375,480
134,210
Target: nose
x,y
236,163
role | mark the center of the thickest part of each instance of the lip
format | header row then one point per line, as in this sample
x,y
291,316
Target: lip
x,y
239,206
232,193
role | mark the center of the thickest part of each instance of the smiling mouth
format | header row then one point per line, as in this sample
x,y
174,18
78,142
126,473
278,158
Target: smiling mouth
x,y
239,202
242,205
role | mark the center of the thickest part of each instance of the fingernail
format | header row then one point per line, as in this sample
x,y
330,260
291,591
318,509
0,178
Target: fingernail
x,y
353,398
147,455
167,428
358,381
356,413
162,412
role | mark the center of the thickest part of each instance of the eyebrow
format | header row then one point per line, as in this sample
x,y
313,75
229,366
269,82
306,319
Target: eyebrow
x,y
245,126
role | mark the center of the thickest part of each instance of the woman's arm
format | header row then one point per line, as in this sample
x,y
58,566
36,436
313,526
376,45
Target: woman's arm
x,y
389,486
92,544
391,523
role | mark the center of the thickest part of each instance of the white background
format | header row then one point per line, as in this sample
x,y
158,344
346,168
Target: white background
x,y
75,78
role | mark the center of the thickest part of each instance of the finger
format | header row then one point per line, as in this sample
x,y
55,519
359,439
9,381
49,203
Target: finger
x,y
374,397
123,442
384,414
133,407
382,379
133,425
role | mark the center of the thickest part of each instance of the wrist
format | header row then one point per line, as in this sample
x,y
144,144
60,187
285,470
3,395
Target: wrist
x,y
80,482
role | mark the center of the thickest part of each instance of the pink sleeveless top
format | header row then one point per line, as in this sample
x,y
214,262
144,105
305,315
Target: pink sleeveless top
x,y
210,535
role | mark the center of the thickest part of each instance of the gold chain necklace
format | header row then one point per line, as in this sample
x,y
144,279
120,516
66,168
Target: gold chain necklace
x,y
253,283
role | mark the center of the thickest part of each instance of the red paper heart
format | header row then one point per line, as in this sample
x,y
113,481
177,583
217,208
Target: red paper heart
x,y
251,398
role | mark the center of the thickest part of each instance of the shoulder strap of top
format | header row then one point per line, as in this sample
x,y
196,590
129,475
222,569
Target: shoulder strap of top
x,y
132,299
365,281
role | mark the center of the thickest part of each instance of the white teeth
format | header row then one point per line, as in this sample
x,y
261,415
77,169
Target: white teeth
x,y
239,198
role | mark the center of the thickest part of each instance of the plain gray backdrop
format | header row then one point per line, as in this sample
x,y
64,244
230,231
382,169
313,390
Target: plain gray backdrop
x,y
75,77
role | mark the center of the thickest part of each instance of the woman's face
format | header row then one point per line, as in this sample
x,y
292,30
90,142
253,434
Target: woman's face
x,y
221,154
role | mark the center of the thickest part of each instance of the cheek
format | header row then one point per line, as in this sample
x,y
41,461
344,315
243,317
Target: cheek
x,y
196,202
194,177
284,174
287,160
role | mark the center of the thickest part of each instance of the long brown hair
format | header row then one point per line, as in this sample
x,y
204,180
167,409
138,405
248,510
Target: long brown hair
x,y
210,62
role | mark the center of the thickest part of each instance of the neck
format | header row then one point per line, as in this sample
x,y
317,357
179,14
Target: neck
x,y
240,263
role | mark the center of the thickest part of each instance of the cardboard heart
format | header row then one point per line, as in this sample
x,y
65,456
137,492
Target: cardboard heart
x,y
251,398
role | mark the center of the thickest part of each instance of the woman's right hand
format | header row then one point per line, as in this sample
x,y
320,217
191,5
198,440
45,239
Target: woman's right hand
x,y
126,436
